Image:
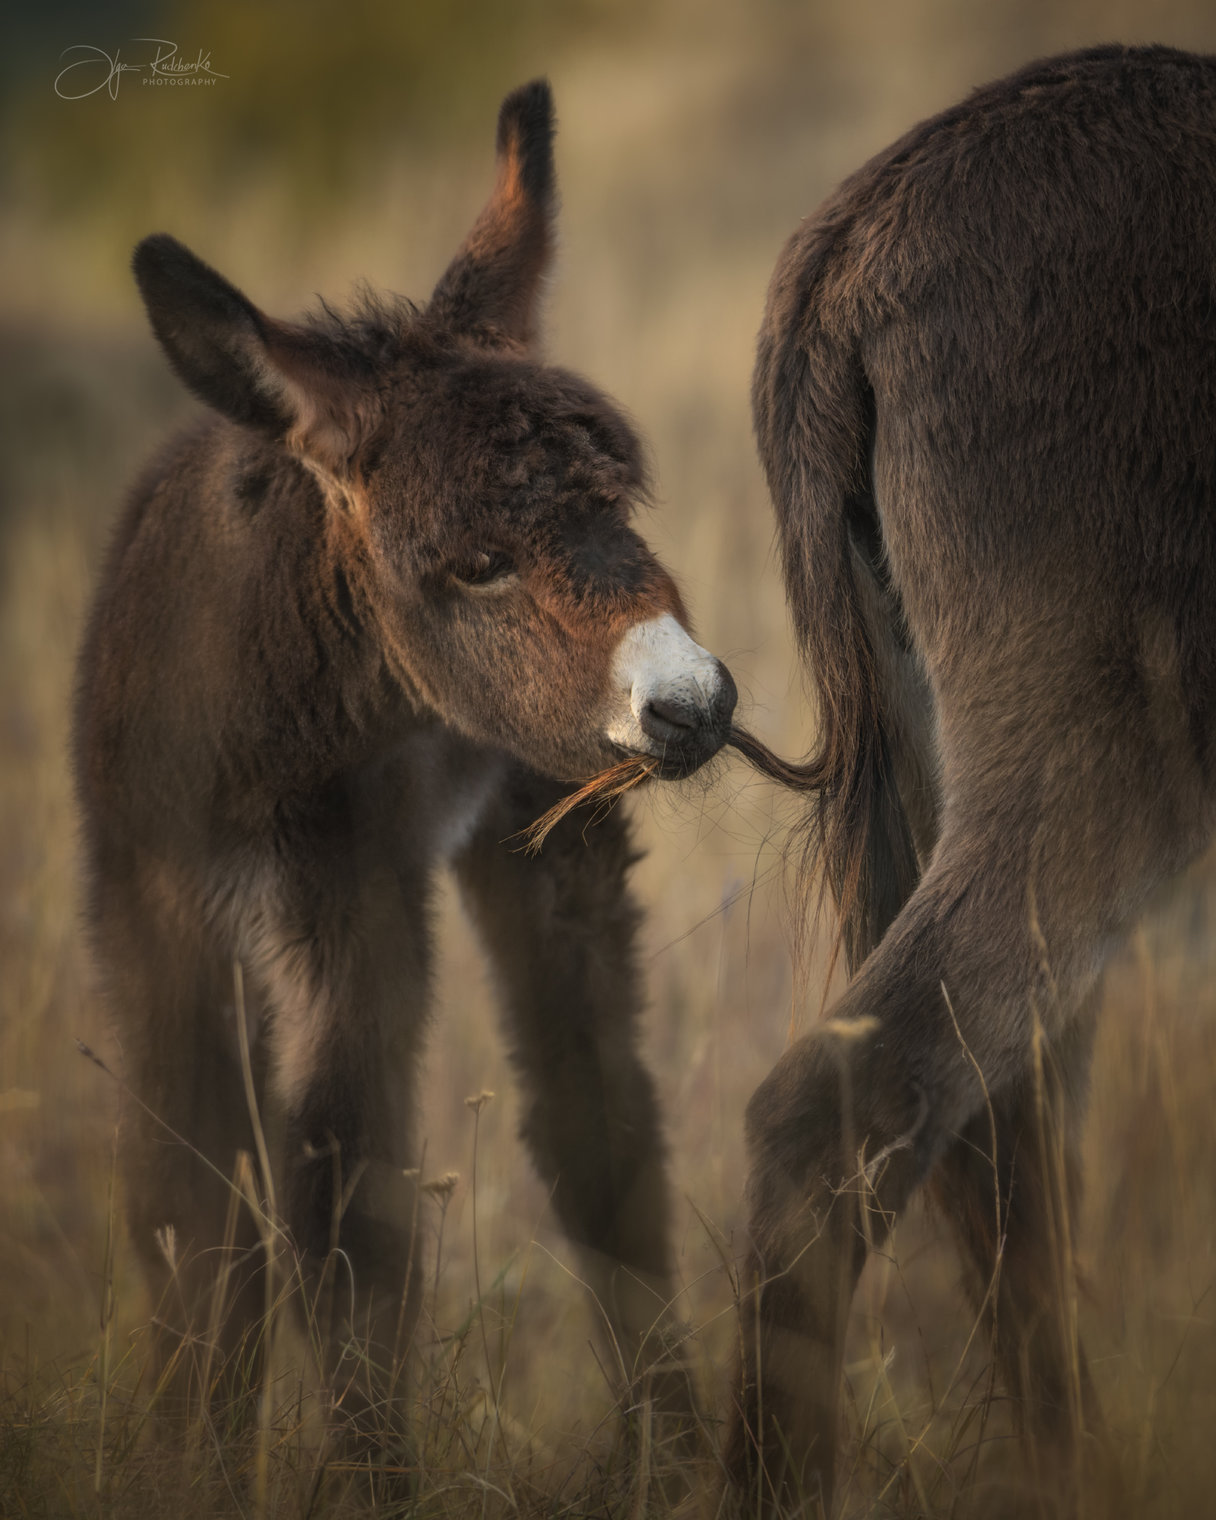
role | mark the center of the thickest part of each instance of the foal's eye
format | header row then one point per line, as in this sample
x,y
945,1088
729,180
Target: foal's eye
x,y
484,566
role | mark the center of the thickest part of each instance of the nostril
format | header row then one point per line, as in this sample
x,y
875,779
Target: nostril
x,y
675,713
667,720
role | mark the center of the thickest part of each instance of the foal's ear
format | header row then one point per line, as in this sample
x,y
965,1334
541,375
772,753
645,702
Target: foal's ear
x,y
284,380
493,284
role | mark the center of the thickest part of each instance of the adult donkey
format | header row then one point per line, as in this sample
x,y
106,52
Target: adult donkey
x,y
374,617
985,400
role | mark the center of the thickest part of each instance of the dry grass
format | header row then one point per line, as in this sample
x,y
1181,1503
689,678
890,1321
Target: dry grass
x,y
601,790
690,143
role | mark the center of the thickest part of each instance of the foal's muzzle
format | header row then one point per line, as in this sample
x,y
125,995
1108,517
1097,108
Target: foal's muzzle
x,y
673,700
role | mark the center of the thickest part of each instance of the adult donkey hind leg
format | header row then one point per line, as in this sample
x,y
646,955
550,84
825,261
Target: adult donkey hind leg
x,y
346,628
985,400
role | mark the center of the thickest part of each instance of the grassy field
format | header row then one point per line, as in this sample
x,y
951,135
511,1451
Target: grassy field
x,y
692,138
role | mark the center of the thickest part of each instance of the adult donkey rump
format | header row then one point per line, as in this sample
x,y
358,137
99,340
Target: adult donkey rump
x,y
985,400
372,617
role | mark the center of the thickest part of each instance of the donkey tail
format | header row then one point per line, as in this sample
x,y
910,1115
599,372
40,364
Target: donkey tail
x,y
814,418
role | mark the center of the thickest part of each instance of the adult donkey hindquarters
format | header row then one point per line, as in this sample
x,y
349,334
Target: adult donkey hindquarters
x,y
985,400
374,617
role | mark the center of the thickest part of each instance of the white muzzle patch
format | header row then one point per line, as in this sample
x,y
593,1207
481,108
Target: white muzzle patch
x,y
656,661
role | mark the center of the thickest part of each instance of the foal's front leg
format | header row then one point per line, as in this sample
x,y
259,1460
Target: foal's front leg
x,y
561,928
343,962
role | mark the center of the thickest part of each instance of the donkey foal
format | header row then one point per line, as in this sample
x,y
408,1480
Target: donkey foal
x,y
374,617
985,400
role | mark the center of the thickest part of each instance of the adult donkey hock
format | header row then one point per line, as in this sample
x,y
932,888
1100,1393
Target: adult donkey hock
x,y
367,620
985,400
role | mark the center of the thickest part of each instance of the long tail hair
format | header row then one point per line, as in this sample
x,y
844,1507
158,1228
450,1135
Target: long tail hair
x,y
814,418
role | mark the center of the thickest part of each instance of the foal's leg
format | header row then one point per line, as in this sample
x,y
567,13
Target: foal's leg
x,y
561,928
1011,1186
342,956
185,1117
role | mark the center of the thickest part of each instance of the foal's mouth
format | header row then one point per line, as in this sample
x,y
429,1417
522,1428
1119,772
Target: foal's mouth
x,y
603,790
673,761
669,733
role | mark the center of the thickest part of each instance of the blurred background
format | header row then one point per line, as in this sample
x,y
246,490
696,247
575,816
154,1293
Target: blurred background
x,y
342,143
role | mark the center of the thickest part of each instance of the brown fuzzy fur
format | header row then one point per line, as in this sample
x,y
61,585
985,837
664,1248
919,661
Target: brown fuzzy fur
x,y
984,404
359,623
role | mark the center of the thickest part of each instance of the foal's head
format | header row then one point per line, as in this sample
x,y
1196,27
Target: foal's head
x,y
479,501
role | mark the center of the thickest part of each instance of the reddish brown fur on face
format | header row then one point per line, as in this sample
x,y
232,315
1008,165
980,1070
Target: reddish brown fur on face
x,y
348,631
984,404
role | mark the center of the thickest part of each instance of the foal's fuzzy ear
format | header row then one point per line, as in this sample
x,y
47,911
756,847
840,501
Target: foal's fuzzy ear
x,y
493,284
282,379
